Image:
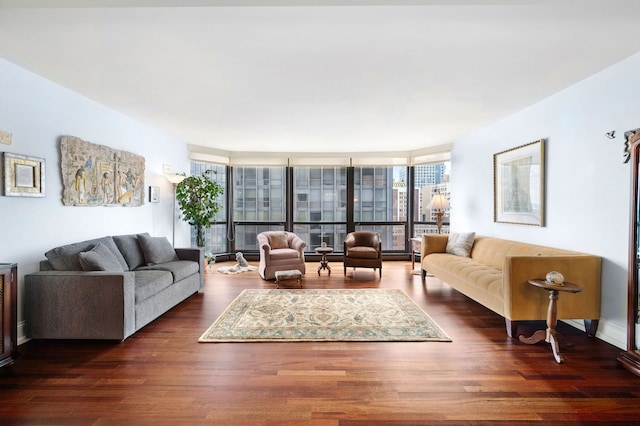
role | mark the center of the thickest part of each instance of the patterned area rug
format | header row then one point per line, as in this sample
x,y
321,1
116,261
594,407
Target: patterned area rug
x,y
323,315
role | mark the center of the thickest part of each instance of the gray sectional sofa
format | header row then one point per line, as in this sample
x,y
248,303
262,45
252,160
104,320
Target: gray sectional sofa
x,y
110,287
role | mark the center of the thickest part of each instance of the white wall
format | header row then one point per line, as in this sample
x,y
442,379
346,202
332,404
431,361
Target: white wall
x,y
37,112
587,184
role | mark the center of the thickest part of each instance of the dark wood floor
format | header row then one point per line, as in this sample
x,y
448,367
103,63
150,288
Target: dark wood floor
x,y
162,375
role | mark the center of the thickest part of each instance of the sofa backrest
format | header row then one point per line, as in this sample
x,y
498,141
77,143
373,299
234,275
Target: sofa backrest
x,y
67,257
492,251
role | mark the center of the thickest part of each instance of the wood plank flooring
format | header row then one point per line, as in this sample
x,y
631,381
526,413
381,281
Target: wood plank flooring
x,y
162,375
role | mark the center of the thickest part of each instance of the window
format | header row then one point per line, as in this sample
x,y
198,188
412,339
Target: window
x,y
215,235
259,205
379,200
430,179
320,207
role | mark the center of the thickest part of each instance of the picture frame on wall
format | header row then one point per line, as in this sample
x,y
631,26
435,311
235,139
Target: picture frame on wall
x,y
518,185
154,194
23,175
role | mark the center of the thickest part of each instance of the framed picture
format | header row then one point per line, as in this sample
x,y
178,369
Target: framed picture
x,y
518,185
23,176
154,194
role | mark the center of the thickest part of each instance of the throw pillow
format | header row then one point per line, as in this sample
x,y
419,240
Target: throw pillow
x,y
278,240
99,258
460,243
130,249
156,249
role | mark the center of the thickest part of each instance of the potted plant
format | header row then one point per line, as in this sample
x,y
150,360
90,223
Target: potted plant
x,y
197,198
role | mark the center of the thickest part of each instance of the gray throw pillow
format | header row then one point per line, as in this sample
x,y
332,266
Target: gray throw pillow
x,y
99,258
130,249
156,249
460,243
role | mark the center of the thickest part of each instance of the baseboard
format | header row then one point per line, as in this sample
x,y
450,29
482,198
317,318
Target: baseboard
x,y
22,338
607,331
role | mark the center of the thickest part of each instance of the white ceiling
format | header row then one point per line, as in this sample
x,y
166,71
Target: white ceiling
x,y
306,76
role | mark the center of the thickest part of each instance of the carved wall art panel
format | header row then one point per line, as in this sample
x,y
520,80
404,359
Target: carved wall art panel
x,y
96,175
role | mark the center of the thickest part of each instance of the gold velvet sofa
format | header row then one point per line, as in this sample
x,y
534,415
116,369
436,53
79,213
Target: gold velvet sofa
x,y
497,272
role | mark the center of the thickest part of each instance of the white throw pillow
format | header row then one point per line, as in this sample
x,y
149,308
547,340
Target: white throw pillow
x,y
460,243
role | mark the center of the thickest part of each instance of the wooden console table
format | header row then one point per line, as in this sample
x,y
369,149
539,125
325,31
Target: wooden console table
x,y
8,313
549,335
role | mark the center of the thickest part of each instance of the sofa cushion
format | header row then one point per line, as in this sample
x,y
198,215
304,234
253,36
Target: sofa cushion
x,y
99,258
156,249
460,243
278,240
66,258
479,281
151,282
179,269
130,249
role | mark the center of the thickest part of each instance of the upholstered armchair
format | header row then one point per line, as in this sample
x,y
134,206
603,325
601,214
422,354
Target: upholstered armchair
x,y
280,251
363,249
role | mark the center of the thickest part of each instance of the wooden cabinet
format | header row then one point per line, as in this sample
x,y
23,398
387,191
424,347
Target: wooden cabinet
x,y
8,312
630,359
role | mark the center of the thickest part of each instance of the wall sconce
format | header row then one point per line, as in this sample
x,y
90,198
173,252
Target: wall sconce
x,y
175,180
439,202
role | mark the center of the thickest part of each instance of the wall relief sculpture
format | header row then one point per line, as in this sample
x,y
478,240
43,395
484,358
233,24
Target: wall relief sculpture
x,y
96,175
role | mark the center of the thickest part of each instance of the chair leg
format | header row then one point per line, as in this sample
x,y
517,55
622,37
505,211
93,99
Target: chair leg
x,y
591,326
512,328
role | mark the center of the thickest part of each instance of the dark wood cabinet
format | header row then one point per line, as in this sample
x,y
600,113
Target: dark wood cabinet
x,y
8,312
630,359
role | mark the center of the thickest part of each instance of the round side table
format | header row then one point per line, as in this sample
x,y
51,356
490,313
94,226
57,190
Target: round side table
x,y
549,335
324,264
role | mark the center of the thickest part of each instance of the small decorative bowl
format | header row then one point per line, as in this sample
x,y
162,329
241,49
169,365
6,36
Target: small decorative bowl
x,y
555,277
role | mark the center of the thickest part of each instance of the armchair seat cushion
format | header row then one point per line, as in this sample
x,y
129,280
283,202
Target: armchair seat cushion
x,y
283,253
363,253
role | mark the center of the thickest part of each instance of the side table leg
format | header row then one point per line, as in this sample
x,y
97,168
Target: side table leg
x,y
536,337
553,340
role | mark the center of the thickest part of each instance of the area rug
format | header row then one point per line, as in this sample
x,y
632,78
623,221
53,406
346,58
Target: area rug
x,y
291,315
236,269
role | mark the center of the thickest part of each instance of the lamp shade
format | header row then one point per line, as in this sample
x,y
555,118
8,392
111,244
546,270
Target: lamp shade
x,y
175,179
439,202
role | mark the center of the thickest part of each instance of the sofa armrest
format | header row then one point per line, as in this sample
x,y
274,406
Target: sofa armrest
x,y
80,305
433,243
195,254
523,301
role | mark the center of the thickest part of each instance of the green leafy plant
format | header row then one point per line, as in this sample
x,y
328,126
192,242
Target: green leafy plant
x,y
197,198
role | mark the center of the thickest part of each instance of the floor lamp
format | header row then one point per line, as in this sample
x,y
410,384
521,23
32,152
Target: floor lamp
x,y
175,180
439,202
